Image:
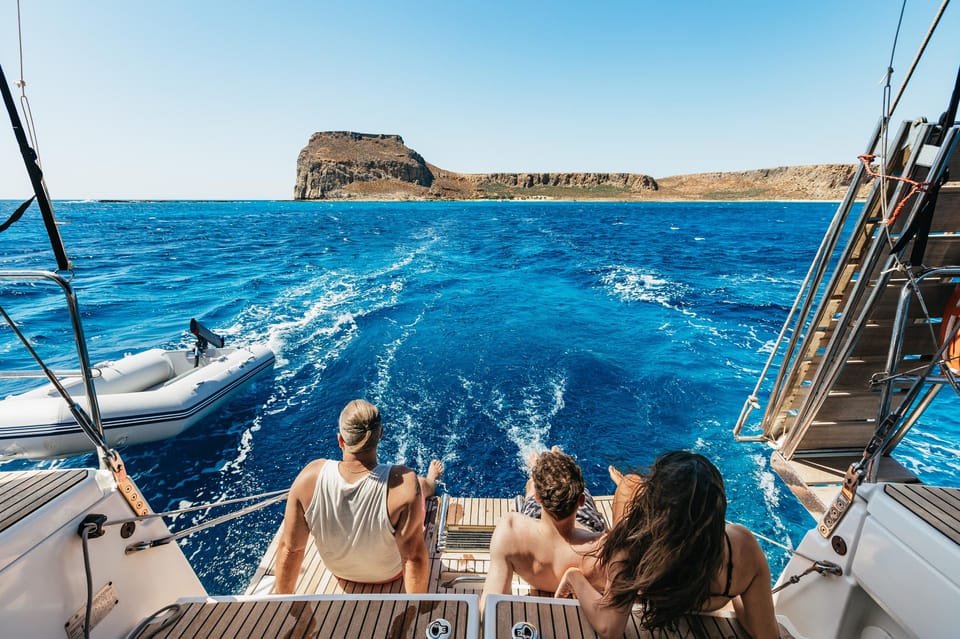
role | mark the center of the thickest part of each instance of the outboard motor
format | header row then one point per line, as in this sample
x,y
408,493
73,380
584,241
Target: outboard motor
x,y
205,338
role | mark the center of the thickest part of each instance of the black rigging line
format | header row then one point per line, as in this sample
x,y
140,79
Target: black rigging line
x,y
36,177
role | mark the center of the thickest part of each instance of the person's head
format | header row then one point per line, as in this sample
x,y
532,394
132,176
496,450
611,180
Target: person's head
x,y
360,428
558,483
672,534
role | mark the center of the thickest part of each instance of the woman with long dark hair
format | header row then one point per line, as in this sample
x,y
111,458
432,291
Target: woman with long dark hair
x,y
671,550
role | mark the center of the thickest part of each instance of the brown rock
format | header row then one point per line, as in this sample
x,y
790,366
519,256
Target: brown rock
x,y
343,164
335,159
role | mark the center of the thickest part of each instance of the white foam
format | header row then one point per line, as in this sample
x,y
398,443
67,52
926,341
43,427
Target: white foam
x,y
630,284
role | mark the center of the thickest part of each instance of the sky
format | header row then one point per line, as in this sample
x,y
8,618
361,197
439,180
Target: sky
x,y
209,99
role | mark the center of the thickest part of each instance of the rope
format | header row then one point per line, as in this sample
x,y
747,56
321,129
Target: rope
x,y
915,186
84,536
173,612
916,59
821,567
889,106
24,101
788,549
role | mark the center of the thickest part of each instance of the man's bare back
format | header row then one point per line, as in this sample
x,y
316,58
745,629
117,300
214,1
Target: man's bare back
x,y
540,550
538,553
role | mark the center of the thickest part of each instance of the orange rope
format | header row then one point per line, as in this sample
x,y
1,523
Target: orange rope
x,y
915,186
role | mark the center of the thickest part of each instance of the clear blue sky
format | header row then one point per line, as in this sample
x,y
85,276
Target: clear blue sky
x,y
208,99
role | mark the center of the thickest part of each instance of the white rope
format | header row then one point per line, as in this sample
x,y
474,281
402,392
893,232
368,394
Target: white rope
x,y
788,549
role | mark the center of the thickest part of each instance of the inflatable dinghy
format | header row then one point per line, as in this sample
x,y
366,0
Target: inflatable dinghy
x,y
144,397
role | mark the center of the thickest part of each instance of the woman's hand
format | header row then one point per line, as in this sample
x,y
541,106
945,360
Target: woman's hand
x,y
566,589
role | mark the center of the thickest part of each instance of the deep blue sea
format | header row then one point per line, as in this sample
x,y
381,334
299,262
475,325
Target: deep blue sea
x,y
482,330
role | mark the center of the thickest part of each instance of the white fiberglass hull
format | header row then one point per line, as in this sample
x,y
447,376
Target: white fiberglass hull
x,y
145,397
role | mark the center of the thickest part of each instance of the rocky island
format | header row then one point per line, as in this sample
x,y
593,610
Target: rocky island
x,y
363,166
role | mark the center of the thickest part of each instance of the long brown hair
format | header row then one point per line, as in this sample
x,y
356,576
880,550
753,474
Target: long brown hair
x,y
668,546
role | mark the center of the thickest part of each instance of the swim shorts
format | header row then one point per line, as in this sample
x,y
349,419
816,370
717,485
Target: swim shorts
x,y
587,515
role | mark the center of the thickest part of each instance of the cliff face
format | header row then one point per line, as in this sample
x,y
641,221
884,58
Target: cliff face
x,y
346,165
629,181
814,182
335,159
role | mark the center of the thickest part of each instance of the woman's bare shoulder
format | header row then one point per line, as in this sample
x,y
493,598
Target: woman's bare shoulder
x,y
746,549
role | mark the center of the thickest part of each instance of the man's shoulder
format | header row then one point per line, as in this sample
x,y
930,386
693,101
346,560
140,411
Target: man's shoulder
x,y
403,480
306,481
517,533
514,523
312,469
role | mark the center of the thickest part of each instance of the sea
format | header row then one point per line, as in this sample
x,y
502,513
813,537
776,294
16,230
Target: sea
x,y
483,331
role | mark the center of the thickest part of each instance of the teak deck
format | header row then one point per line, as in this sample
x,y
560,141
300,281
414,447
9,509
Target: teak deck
x,y
562,619
939,507
393,616
402,616
457,572
22,493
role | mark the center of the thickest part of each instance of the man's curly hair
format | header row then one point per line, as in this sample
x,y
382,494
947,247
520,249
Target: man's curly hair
x,y
558,482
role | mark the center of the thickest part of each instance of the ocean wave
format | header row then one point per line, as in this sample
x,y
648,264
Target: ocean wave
x,y
528,427
633,284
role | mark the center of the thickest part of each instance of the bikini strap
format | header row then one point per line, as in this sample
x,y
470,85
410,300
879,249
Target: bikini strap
x,y
726,590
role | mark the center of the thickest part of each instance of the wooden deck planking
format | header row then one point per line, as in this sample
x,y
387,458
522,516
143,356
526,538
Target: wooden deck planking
x,y
470,522
563,619
939,507
604,504
395,617
316,579
242,616
26,492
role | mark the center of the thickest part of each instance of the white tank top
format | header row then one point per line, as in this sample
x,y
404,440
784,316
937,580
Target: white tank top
x,y
351,526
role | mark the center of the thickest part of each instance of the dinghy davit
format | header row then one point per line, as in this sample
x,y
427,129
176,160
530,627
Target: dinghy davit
x,y
151,395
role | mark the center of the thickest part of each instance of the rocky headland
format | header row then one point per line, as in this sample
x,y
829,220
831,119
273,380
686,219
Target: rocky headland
x,y
362,166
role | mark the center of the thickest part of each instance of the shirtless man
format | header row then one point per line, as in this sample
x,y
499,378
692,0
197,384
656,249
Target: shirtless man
x,y
541,549
341,505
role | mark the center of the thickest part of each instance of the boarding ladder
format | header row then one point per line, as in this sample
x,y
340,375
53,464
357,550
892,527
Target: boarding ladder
x,y
859,340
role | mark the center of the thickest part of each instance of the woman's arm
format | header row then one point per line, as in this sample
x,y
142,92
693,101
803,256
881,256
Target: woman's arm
x,y
754,607
608,622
